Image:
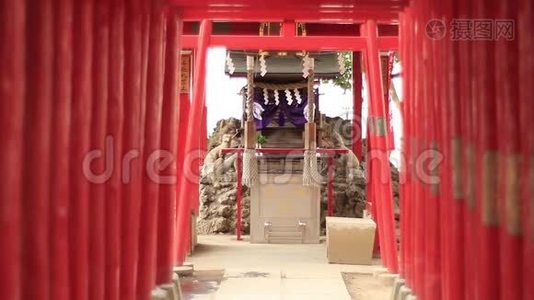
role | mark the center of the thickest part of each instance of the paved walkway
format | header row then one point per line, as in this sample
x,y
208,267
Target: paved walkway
x,y
230,269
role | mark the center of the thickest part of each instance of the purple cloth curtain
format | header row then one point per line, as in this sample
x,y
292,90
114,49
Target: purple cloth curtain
x,y
293,113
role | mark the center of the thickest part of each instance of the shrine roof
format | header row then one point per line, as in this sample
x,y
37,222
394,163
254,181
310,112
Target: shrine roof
x,y
286,67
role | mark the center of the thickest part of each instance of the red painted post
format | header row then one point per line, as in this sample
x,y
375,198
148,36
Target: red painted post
x,y
12,76
131,150
419,200
185,93
152,136
386,67
370,204
99,142
371,199
169,143
445,187
330,205
419,219
406,165
379,166
184,111
403,168
465,148
526,82
433,284
191,139
239,194
413,149
80,143
457,206
449,269
115,121
357,105
37,134
487,268
59,189
507,75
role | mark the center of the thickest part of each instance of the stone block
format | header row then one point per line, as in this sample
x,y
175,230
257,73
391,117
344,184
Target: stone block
x,y
184,270
397,284
350,240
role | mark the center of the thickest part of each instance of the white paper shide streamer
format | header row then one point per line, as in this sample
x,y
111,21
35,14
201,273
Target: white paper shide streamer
x,y
276,97
297,96
289,98
230,64
258,111
265,96
263,65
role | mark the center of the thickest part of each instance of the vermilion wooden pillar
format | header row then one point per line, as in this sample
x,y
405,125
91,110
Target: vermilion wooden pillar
x,y
465,156
80,143
115,121
526,82
152,138
202,146
418,197
457,204
169,142
404,190
131,157
12,29
98,195
442,47
488,268
357,105
191,139
37,134
379,165
433,282
406,164
59,189
370,192
386,65
507,92
185,92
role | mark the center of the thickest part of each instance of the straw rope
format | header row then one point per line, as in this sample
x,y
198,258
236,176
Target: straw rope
x,y
310,175
280,86
250,164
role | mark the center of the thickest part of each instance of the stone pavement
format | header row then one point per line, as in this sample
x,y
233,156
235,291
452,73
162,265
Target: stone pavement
x,y
229,269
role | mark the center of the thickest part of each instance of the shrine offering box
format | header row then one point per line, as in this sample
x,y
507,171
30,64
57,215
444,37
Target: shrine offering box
x,y
350,240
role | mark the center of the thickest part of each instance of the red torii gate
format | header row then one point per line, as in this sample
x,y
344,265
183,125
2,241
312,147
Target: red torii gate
x,y
370,45
459,239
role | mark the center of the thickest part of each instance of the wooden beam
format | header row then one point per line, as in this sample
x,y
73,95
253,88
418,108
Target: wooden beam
x,y
312,43
386,15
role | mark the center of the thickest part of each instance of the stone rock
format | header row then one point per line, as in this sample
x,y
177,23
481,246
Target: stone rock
x,y
218,193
